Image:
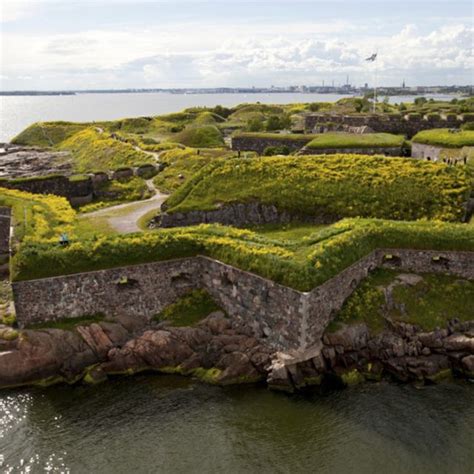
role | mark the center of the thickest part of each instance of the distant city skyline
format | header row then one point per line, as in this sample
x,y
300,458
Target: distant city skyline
x,y
119,44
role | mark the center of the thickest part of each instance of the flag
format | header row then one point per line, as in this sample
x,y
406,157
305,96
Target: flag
x,y
372,58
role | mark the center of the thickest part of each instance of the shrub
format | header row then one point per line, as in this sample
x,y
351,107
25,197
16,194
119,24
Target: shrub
x,y
276,150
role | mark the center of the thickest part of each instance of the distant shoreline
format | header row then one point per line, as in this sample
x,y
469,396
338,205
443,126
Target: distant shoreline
x,y
385,91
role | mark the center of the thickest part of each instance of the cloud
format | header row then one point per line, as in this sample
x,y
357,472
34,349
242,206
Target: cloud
x,y
188,54
12,10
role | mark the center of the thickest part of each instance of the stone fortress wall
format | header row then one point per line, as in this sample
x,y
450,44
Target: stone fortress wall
x,y
5,220
290,320
387,151
240,215
78,191
408,125
258,143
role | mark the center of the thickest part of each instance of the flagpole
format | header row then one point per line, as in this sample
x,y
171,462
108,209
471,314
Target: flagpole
x,y
375,85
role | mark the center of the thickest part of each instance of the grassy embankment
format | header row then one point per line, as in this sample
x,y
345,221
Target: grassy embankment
x,y
443,137
338,185
300,264
429,303
352,140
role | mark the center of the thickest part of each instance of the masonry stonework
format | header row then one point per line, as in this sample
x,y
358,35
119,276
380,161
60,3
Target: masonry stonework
x,y
408,125
289,319
240,215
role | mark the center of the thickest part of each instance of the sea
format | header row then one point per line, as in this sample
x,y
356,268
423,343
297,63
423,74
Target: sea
x,y
154,423
17,112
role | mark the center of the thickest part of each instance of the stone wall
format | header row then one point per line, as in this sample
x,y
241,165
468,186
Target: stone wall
x,y
240,215
78,192
5,220
420,150
58,185
397,124
134,290
258,143
289,319
439,153
387,151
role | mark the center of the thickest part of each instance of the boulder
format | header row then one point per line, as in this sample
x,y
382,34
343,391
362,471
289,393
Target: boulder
x,y
350,337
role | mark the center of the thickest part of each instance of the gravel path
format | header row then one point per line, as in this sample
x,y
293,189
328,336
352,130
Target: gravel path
x,y
124,217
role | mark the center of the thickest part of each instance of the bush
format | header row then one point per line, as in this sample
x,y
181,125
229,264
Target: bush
x,y
276,150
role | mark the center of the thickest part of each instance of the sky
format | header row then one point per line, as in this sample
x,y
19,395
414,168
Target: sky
x,y
113,44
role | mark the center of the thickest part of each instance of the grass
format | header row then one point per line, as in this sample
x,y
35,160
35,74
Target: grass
x,y
434,301
354,140
182,164
443,137
294,231
331,185
431,303
205,136
116,192
302,265
188,310
68,324
94,151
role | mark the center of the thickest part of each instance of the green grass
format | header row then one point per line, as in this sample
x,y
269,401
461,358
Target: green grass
x,y
68,324
116,192
294,231
205,136
184,163
443,137
188,310
434,301
332,185
431,303
353,140
48,134
94,151
301,264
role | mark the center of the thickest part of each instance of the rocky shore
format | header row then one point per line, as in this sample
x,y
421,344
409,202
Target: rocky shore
x,y
216,352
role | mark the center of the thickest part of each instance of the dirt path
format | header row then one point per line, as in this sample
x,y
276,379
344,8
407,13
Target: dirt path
x,y
124,217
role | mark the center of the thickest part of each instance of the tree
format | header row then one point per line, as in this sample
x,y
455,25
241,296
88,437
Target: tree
x,y
255,125
273,123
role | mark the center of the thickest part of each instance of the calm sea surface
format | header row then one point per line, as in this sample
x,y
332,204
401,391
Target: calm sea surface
x,y
17,112
167,424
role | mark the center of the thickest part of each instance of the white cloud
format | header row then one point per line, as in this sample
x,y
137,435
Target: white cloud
x,y
11,10
190,54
